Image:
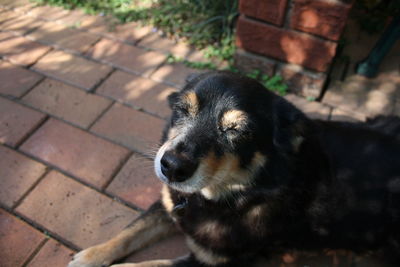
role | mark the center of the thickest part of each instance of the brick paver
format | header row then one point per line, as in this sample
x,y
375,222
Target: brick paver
x,y
73,18
66,102
344,115
64,37
128,57
21,24
15,81
6,15
18,173
129,32
132,128
367,96
136,182
156,42
86,156
313,110
79,214
51,254
173,74
16,121
20,50
48,12
138,91
17,240
72,69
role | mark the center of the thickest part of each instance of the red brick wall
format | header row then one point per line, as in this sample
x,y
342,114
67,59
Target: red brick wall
x,y
298,35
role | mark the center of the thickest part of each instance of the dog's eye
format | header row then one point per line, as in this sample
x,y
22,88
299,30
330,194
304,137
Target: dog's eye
x,y
181,110
229,130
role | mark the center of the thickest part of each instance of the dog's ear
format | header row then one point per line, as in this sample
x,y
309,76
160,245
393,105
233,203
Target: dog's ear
x,y
172,99
290,127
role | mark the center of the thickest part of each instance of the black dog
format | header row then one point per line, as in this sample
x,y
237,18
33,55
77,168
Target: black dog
x,y
247,174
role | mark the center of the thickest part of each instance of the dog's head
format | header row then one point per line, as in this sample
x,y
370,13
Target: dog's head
x,y
224,129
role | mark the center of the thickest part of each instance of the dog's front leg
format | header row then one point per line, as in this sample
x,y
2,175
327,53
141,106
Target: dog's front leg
x,y
187,261
192,261
153,225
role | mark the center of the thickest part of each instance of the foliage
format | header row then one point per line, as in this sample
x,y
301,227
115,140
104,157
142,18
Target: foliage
x,y
274,83
191,64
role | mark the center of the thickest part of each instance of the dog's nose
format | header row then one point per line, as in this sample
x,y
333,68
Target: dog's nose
x,y
177,168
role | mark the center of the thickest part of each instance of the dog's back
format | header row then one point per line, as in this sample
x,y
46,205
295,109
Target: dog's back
x,y
389,125
365,160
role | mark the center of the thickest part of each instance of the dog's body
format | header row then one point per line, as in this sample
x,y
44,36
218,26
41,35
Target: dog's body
x,y
247,175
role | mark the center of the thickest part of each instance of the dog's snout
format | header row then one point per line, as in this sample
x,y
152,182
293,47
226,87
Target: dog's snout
x,y
177,168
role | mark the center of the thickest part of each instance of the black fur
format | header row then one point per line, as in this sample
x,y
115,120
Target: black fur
x,y
339,188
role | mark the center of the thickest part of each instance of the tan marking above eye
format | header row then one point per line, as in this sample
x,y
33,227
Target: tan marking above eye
x,y
192,102
234,119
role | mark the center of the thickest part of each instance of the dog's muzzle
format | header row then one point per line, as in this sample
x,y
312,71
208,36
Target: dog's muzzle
x,y
176,167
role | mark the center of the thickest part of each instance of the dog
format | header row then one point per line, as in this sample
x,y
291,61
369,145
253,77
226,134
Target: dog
x,y
246,175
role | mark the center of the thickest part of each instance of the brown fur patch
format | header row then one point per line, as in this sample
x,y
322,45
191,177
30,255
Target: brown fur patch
x,y
234,119
226,175
192,102
166,199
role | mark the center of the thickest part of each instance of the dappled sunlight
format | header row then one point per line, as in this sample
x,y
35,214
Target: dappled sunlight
x,y
294,49
127,57
137,91
63,36
309,19
370,96
20,50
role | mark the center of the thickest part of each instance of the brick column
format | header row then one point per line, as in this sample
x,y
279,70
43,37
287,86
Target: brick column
x,y
294,38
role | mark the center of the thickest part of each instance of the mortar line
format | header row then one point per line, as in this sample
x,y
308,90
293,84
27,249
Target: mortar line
x,y
32,131
35,252
89,127
79,180
99,61
94,88
116,171
283,27
42,229
31,188
32,87
143,154
133,106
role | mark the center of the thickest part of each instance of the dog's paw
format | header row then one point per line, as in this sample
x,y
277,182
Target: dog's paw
x,y
95,256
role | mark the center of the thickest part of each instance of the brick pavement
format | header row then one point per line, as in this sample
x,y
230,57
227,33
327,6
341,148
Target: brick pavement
x,y
81,113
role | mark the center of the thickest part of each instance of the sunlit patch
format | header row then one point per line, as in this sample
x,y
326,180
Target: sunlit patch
x,y
234,119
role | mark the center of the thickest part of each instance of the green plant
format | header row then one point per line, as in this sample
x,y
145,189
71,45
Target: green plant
x,y
191,64
275,84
